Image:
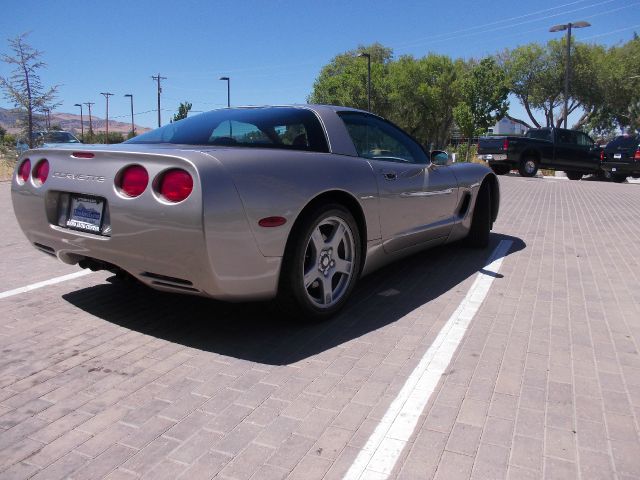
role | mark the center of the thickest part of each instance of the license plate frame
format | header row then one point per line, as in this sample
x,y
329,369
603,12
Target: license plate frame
x,y
86,213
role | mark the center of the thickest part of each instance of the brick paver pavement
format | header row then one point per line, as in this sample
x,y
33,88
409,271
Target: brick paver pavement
x,y
100,379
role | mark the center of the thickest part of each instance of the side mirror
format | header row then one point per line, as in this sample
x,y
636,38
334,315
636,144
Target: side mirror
x,y
440,157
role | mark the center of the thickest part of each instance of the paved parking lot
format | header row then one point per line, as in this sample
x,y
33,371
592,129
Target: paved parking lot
x,y
103,379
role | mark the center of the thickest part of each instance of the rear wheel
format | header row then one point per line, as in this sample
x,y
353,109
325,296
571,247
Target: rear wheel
x,y
574,175
321,264
500,169
528,167
478,236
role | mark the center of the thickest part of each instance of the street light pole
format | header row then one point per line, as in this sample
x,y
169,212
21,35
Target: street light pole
x,y
81,122
133,127
228,80
107,95
567,70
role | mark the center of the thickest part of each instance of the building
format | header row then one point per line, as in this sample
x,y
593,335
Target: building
x,y
507,127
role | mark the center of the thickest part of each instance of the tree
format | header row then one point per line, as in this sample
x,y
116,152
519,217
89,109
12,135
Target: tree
x,y
422,95
483,98
24,87
183,111
344,80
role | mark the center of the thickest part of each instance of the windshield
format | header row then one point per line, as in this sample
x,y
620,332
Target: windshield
x,y
59,137
624,142
272,127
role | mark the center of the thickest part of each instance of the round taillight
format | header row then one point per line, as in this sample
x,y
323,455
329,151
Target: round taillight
x,y
133,180
24,171
175,185
41,172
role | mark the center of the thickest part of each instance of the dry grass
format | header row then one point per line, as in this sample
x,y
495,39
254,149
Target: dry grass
x,y
8,159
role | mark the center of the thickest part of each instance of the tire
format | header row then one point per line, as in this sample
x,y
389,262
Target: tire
x,y
500,169
618,178
528,167
319,271
478,236
574,175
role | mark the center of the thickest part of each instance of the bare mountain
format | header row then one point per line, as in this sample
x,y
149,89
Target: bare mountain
x,y
67,121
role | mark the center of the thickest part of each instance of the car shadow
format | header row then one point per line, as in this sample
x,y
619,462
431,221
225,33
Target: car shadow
x,y
257,332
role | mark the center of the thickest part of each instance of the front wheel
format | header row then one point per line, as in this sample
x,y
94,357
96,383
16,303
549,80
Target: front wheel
x,y
478,236
574,175
321,264
528,167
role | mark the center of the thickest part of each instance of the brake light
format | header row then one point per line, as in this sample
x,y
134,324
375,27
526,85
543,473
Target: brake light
x,y
175,185
505,144
24,171
133,180
41,172
602,155
82,155
636,156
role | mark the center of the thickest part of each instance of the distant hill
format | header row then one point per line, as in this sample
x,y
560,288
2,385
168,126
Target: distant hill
x,y
67,121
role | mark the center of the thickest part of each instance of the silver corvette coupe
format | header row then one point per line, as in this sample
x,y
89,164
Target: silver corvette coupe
x,y
288,202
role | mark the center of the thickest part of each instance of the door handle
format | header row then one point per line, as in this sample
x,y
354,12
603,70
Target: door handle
x,y
390,175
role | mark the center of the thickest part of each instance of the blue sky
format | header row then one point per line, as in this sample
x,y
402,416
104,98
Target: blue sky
x,y
272,50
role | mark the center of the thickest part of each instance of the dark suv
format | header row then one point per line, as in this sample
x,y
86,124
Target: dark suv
x,y
621,158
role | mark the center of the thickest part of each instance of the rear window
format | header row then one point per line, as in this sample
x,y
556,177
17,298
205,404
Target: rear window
x,y
542,134
274,127
623,141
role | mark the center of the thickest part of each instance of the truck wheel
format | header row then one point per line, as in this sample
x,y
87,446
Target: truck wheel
x,y
618,178
574,175
500,169
478,236
528,167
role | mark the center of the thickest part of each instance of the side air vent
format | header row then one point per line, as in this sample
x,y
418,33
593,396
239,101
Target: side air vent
x,y
464,205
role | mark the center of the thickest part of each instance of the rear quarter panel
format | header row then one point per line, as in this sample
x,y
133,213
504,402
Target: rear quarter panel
x,y
282,183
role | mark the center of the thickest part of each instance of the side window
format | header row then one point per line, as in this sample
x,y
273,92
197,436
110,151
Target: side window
x,y
379,140
584,140
566,137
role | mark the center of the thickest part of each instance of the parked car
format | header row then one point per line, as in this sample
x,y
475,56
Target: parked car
x,y
47,138
621,158
253,203
551,148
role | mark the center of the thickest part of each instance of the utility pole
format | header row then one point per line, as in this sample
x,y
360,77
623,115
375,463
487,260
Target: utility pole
x,y
107,95
133,127
88,104
158,79
81,122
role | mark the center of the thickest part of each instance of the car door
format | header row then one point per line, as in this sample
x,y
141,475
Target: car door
x,y
566,152
589,155
417,199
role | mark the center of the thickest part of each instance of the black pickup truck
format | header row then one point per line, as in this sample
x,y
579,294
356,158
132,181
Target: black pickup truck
x,y
552,148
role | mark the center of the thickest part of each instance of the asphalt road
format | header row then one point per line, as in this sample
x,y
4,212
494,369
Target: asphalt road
x,y
104,379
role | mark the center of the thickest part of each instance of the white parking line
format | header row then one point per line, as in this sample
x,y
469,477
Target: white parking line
x,y
385,445
51,281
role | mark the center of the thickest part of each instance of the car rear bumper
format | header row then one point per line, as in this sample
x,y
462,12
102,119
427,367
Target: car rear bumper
x,y
190,252
627,168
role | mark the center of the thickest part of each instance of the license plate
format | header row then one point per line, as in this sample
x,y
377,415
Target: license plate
x,y
617,155
85,213
494,157
614,169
